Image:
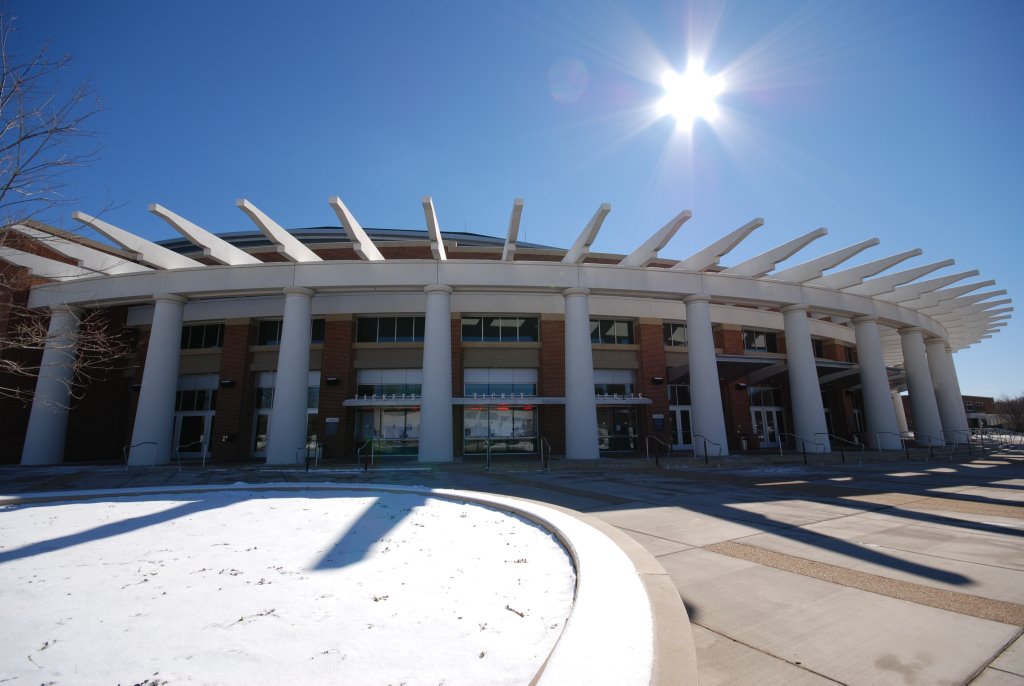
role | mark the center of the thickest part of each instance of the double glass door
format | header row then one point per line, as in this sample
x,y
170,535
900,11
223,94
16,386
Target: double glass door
x,y
192,434
767,423
682,431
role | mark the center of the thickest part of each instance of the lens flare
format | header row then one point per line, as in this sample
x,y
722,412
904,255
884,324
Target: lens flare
x,y
691,95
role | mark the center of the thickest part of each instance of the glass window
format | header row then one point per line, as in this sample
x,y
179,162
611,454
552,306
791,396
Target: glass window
x,y
818,346
675,334
504,428
199,336
472,329
269,333
614,381
678,394
764,396
760,341
504,328
382,382
390,329
499,381
316,332
611,331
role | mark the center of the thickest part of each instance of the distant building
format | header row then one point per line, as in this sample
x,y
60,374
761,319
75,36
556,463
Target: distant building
x,y
271,344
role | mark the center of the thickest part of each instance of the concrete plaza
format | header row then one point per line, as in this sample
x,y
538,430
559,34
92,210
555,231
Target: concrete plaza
x,y
897,572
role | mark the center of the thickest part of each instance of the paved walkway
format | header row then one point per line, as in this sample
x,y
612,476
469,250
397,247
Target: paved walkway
x,y
887,573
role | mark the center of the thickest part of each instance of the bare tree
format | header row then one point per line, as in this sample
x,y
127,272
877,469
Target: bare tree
x,y
44,133
1012,409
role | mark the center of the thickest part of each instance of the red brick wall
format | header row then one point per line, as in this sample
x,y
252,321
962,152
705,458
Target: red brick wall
x,y
458,385
338,361
551,382
235,404
650,338
729,341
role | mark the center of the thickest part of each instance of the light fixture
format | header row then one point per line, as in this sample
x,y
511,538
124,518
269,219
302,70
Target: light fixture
x,y
332,381
227,383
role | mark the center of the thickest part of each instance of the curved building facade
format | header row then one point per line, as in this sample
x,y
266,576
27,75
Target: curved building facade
x,y
273,344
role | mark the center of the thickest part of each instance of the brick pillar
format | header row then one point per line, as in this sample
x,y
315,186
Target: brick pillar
x,y
551,380
229,439
458,384
650,337
337,363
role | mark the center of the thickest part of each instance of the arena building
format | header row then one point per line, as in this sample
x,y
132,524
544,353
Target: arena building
x,y
274,344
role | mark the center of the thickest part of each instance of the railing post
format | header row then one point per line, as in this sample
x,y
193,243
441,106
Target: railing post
x,y
803,446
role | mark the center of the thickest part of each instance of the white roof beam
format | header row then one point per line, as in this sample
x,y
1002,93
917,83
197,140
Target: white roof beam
x,y
508,253
152,254
916,290
884,284
969,310
361,243
765,262
579,250
214,247
287,244
85,256
648,251
436,242
855,275
813,269
963,301
44,267
935,297
710,256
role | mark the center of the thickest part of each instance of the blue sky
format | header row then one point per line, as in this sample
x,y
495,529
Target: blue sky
x,y
900,120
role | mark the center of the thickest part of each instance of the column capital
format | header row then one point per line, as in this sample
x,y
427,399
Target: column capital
x,y
798,307
696,298
571,292
438,288
170,297
299,290
864,318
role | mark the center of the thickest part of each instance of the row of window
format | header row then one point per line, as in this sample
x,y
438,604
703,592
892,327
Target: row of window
x,y
489,329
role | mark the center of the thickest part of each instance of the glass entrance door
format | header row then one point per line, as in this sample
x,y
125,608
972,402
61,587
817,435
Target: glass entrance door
x,y
192,434
767,422
682,430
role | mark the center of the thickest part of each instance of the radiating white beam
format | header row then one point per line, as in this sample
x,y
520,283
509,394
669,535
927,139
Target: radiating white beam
x,y
963,301
287,244
855,275
710,256
884,284
760,265
969,310
648,251
87,257
509,251
813,269
44,267
214,247
361,243
935,297
578,252
152,254
436,242
916,290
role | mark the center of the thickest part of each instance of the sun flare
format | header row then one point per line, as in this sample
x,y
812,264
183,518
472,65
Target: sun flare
x,y
691,95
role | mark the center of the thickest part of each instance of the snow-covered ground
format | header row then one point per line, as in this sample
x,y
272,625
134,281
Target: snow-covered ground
x,y
276,587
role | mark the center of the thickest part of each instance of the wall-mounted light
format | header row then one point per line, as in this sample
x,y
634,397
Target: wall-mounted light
x,y
332,381
657,380
136,387
741,385
227,383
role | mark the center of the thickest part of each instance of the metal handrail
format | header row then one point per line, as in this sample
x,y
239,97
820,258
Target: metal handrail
x,y
903,441
707,440
544,458
647,448
201,442
842,451
803,444
956,439
129,447
359,452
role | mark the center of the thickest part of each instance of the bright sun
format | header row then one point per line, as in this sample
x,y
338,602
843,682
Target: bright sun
x,y
691,95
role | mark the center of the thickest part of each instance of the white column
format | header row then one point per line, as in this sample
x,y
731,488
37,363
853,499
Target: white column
x,y
706,414
808,412
923,408
154,416
436,408
580,404
286,432
956,382
48,423
901,413
883,428
947,391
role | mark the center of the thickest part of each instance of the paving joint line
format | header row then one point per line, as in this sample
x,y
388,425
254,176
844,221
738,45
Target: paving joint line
x,y
908,591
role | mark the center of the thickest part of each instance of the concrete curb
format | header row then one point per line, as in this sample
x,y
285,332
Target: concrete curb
x,y
627,625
